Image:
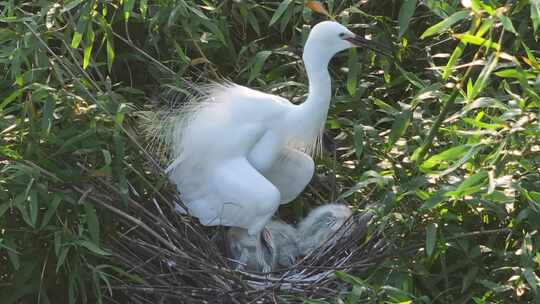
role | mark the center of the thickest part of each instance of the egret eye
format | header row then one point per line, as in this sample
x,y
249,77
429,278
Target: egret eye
x,y
341,35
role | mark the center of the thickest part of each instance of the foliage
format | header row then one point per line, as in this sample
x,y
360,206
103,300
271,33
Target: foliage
x,y
442,140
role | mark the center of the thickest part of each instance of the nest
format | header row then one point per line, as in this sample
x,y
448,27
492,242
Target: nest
x,y
171,258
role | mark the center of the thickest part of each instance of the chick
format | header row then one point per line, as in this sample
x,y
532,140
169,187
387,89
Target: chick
x,y
322,227
279,247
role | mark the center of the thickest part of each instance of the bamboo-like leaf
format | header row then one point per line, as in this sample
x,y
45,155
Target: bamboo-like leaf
x,y
51,211
431,238
507,24
92,221
399,127
406,12
445,24
258,64
279,11
93,247
358,141
89,41
535,14
352,75
483,78
476,40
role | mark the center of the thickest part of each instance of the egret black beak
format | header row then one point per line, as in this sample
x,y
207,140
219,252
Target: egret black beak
x,y
376,47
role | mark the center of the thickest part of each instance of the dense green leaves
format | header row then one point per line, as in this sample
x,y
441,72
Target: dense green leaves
x,y
461,222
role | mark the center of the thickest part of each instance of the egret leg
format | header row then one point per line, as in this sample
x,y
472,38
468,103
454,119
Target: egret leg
x,y
248,199
291,173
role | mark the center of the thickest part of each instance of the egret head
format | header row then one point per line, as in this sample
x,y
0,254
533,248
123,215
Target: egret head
x,y
328,38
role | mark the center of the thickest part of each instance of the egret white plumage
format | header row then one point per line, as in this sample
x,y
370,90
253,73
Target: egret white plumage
x,y
237,153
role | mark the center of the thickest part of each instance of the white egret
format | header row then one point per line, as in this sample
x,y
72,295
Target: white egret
x,y
238,153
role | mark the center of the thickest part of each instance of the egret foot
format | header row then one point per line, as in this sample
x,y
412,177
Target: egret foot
x,y
322,227
276,246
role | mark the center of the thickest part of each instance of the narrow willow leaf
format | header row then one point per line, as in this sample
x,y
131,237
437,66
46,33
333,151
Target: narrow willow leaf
x,y
89,44
143,7
92,221
110,47
507,24
76,40
470,183
399,127
472,39
483,78
445,24
358,141
445,156
33,207
458,51
279,11
92,247
128,8
468,279
405,14
71,5
352,75
13,255
258,64
47,116
51,211
431,238
535,14
531,279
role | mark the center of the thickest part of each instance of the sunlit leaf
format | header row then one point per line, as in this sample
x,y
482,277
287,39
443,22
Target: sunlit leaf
x,y
445,24
279,11
405,14
431,238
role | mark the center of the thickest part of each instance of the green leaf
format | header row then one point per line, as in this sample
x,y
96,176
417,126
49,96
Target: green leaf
x,y
128,8
76,40
258,63
92,221
110,53
470,185
445,156
399,127
92,247
358,141
13,255
143,7
472,39
47,116
33,207
51,210
431,238
458,51
405,14
483,78
468,279
445,24
531,279
507,24
535,14
89,44
352,75
279,11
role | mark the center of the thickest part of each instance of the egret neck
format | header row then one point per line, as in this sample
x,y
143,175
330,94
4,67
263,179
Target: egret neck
x,y
311,114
